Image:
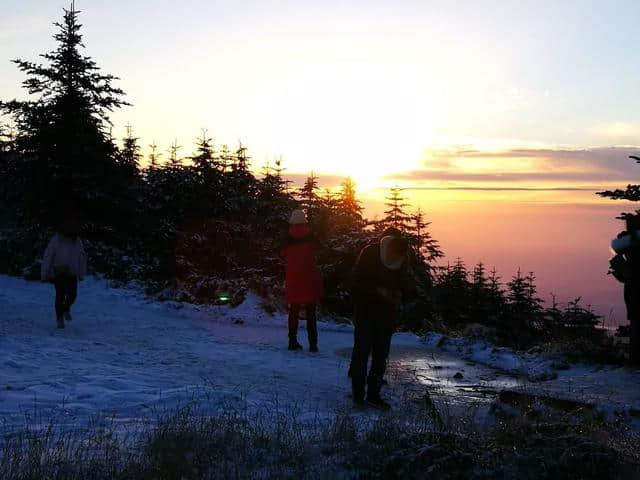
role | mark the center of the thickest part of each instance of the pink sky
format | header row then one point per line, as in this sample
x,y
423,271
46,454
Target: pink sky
x,y
562,236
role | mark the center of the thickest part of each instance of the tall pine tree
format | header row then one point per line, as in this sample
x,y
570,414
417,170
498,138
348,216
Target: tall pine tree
x,y
63,130
308,196
204,159
274,201
174,160
396,215
154,156
428,246
130,154
349,208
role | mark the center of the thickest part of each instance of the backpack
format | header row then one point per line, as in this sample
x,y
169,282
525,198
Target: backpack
x,y
620,269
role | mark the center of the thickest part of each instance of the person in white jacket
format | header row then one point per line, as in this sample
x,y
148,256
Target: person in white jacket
x,y
64,263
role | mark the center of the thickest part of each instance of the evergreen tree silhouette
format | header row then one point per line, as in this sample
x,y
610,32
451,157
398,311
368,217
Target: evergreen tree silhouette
x,y
154,156
174,160
525,306
480,302
532,293
479,276
396,215
308,196
64,132
495,296
274,201
459,274
225,158
518,292
554,317
494,291
428,247
494,282
278,172
130,154
330,201
349,208
454,292
204,159
631,193
240,185
577,317
241,160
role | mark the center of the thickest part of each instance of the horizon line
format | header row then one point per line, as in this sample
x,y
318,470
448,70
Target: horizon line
x,y
508,189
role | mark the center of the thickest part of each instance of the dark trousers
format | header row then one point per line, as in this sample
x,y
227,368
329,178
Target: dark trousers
x,y
389,337
66,292
632,300
635,341
371,337
312,327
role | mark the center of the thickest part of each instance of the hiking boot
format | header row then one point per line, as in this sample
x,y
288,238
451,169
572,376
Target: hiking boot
x,y
378,403
313,348
67,316
294,345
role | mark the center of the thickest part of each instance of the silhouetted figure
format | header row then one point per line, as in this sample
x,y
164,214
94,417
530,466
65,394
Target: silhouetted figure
x,y
393,232
626,268
303,282
377,279
64,263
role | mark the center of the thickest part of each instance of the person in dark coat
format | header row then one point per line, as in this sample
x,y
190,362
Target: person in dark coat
x,y
303,281
630,275
393,232
377,280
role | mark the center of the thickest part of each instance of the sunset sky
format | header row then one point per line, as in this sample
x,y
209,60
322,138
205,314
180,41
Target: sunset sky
x,y
420,93
501,117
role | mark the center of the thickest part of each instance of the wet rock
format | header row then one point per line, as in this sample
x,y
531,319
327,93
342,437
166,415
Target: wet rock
x,y
458,376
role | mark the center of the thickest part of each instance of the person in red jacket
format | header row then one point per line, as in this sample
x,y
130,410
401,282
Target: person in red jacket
x,y
303,282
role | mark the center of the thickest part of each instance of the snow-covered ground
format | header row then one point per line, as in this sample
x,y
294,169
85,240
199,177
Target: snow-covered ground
x,y
127,356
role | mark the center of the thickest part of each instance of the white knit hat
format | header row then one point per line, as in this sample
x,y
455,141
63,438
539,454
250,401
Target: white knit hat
x,y
391,264
297,217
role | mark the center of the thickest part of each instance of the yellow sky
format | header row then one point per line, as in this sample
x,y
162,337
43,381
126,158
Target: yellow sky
x,y
368,89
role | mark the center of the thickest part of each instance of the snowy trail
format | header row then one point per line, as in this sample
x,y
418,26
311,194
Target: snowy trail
x,y
124,354
128,356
